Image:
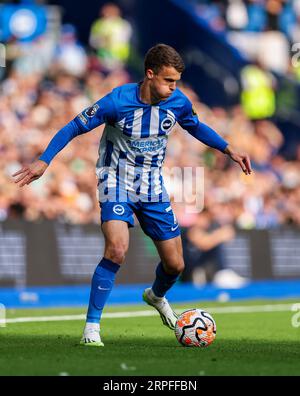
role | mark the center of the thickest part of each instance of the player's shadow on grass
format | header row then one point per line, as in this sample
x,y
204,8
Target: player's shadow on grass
x,y
139,341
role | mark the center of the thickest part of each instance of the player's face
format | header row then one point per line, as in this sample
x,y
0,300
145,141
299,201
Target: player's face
x,y
164,82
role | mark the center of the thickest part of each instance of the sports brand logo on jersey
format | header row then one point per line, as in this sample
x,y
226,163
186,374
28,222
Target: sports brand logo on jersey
x,y
91,111
118,210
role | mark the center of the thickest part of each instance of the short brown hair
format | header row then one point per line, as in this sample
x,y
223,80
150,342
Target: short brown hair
x,y
163,55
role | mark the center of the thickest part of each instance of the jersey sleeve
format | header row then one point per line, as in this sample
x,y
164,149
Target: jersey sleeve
x,y
59,141
190,122
103,111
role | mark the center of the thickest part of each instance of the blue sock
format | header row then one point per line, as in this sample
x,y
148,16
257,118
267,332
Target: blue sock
x,y
102,283
163,281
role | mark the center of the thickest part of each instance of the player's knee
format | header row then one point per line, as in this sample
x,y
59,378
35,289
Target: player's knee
x,y
175,266
116,253
180,265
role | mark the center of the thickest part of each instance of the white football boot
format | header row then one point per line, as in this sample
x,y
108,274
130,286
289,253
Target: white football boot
x,y
161,304
91,335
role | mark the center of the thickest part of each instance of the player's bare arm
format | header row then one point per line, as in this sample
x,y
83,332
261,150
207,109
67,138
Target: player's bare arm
x,y
31,172
241,158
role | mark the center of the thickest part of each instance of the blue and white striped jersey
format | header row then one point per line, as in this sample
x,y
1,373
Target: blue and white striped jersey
x,y
133,145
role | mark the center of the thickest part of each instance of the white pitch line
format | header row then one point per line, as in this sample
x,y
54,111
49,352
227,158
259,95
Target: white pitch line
x,y
136,314
80,317
252,309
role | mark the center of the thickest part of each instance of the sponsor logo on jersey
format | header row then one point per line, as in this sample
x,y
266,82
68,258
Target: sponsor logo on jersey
x,y
147,145
91,111
118,210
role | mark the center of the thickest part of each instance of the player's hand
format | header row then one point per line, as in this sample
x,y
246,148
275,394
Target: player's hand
x,y
241,158
29,173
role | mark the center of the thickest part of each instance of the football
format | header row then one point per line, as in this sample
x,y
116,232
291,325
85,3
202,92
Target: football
x,y
195,328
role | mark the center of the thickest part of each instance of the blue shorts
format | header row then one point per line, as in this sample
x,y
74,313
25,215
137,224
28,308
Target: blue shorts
x,y
156,218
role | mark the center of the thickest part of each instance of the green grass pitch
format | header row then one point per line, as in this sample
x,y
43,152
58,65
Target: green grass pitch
x,y
247,343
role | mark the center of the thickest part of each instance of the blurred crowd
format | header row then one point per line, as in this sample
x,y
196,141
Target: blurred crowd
x,y
39,94
251,15
32,109
268,198
264,30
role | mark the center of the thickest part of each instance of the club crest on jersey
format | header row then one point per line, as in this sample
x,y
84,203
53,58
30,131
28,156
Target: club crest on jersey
x,y
118,209
167,123
91,111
